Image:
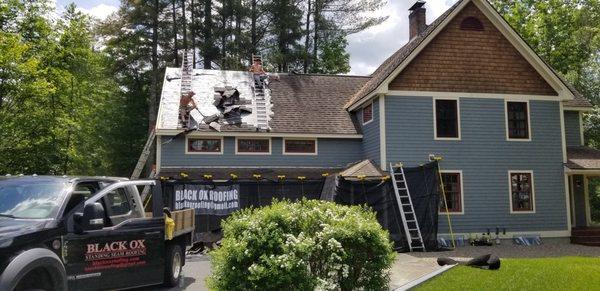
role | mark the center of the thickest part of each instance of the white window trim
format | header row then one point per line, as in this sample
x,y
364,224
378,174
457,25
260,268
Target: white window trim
x,y
253,154
462,193
188,152
362,112
435,137
284,152
510,172
529,130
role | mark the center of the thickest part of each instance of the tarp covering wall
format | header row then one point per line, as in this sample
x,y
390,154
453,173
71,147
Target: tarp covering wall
x,y
379,195
214,201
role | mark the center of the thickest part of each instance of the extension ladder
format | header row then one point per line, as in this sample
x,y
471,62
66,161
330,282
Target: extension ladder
x,y
407,211
137,171
262,116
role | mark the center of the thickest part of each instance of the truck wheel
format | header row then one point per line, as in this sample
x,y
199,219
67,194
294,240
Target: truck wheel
x,y
37,279
173,265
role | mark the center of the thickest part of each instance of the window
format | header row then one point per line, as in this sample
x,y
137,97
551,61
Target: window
x,y
517,119
521,191
447,123
452,182
253,146
299,146
117,202
367,113
471,23
204,146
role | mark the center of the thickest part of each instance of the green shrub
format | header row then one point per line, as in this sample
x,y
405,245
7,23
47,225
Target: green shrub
x,y
306,245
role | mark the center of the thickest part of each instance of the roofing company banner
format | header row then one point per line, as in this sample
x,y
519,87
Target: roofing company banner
x,y
208,199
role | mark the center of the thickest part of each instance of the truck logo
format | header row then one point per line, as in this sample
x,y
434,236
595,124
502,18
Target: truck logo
x,y
116,249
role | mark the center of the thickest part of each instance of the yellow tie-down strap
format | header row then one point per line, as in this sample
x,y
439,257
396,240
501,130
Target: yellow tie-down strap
x,y
169,227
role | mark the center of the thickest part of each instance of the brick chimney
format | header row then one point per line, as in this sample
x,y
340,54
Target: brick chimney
x,y
416,19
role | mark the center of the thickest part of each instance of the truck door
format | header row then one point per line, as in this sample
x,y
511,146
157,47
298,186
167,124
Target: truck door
x,y
128,251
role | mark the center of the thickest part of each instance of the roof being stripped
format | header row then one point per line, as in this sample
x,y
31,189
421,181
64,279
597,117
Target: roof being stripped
x,y
396,59
299,104
204,83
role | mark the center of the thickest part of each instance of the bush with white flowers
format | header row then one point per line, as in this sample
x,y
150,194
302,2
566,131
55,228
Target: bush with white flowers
x,y
307,245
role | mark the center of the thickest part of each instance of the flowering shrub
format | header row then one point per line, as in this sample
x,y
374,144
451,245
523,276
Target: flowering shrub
x,y
302,246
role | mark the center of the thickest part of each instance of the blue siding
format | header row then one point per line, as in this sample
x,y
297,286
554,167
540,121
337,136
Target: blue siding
x,y
371,134
572,132
485,156
331,153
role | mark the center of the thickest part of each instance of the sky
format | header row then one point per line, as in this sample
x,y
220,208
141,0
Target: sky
x,y
367,48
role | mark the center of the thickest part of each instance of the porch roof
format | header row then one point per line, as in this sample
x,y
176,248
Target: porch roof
x,y
583,158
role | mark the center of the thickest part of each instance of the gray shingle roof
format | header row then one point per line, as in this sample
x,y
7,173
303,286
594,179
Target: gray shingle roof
x,y
389,65
313,103
583,158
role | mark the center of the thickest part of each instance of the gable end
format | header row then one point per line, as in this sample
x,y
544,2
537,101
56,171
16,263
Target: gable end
x,y
478,60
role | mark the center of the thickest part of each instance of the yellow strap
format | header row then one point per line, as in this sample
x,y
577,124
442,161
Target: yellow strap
x,y
446,206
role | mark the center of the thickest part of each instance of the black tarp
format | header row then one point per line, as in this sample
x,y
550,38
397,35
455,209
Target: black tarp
x,y
252,193
379,195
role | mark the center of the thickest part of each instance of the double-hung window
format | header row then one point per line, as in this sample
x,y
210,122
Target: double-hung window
x,y
367,113
517,120
447,119
521,191
452,182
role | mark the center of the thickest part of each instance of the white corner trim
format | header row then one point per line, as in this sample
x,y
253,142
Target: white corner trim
x,y
362,112
188,152
568,200
158,153
283,147
581,131
252,153
563,133
510,172
529,130
382,137
435,137
462,193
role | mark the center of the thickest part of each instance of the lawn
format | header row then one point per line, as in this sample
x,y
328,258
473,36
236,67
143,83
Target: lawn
x,y
567,273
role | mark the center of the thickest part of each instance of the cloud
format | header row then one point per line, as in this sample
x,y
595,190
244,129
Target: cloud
x,y
100,11
369,48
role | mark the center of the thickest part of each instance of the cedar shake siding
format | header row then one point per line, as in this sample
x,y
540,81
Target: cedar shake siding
x,y
485,157
471,61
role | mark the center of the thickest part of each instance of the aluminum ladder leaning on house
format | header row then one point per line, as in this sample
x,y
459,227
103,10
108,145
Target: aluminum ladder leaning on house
x,y
409,217
262,116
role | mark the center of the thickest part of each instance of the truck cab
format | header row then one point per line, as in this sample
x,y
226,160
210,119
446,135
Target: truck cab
x,y
83,233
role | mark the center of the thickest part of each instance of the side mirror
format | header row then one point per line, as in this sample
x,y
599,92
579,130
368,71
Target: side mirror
x,y
92,218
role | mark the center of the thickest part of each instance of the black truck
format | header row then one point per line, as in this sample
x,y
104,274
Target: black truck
x,y
87,233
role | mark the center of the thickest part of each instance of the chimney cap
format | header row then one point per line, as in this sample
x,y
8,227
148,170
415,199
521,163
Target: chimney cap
x,y
417,5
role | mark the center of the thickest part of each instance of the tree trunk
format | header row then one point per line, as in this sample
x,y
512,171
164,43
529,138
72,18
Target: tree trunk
x,y
185,44
207,34
193,33
307,37
253,35
175,51
317,19
153,102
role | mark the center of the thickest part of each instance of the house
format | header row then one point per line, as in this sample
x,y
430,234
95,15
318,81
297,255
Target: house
x,y
465,87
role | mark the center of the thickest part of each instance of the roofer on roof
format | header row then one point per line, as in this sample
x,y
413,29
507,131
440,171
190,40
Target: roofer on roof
x,y
258,72
186,104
